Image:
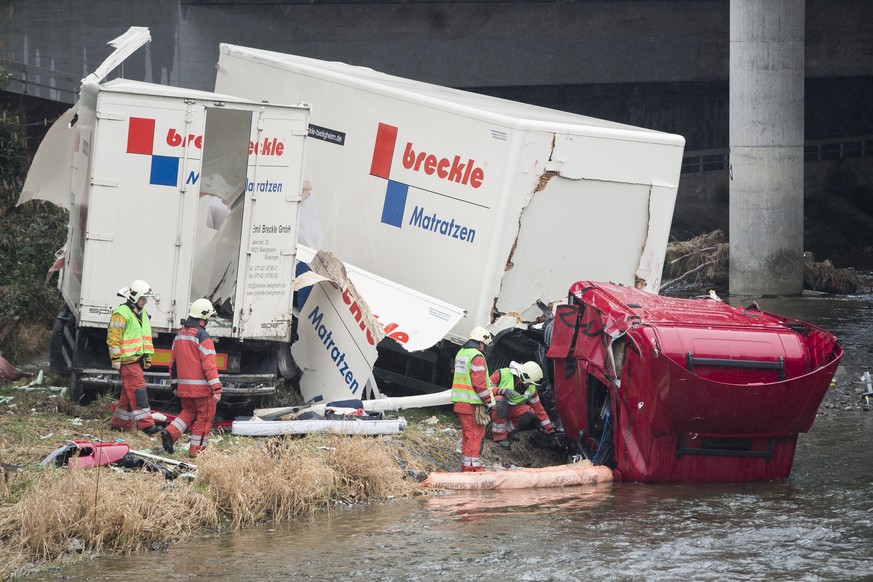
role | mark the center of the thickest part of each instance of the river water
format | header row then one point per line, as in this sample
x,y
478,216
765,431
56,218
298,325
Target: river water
x,y
817,525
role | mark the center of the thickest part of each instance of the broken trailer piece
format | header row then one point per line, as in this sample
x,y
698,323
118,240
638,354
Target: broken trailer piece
x,y
85,454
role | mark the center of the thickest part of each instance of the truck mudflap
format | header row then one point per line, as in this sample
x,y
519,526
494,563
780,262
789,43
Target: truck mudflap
x,y
686,390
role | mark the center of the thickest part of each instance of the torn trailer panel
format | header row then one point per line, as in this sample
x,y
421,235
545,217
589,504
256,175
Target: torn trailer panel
x,y
348,319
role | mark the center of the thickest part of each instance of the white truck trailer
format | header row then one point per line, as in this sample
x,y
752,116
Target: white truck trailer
x,y
487,204
195,193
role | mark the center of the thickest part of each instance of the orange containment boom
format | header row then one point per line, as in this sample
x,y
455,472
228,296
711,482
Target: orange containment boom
x,y
558,476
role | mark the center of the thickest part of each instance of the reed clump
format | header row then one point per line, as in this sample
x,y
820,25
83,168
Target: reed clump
x,y
368,469
64,511
284,478
277,480
71,511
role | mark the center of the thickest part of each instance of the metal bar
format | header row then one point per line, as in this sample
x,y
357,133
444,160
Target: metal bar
x,y
779,365
681,449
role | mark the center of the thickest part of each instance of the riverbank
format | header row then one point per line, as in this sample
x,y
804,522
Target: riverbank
x,y
51,516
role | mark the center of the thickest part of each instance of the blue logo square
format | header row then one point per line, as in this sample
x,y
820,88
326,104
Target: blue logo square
x,y
395,203
165,171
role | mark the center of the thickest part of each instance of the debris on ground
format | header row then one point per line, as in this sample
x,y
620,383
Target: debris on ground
x,y
703,263
8,372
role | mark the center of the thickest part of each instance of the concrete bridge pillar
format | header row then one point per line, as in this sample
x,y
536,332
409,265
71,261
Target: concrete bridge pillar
x,y
766,146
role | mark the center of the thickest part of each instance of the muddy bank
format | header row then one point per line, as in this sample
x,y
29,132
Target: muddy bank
x,y
55,516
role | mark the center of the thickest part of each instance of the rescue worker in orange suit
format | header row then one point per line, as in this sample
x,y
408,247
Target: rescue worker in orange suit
x,y
472,397
194,378
517,405
129,338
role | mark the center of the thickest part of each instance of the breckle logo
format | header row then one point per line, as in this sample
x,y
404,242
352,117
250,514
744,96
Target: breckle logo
x,y
141,140
453,170
165,169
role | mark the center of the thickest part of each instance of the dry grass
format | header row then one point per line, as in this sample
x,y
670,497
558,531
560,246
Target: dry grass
x,y
368,468
102,510
54,513
284,478
240,481
260,483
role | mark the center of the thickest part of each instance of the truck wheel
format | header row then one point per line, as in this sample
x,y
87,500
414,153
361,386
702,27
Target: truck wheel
x,y
287,366
77,390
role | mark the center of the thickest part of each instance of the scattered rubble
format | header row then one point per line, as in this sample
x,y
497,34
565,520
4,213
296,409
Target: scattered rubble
x,y
702,263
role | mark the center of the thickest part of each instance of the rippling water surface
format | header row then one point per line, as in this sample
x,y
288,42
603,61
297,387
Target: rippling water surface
x,y
818,525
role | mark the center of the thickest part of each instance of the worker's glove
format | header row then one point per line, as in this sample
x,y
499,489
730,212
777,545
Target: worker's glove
x,y
481,415
505,392
216,396
116,365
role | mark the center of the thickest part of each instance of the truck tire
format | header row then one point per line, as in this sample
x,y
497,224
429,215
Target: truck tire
x,y
287,366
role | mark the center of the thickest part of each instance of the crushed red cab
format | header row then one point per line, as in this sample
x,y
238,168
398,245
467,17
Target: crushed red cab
x,y
685,390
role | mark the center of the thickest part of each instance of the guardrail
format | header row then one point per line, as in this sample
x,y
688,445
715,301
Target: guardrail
x,y
64,87
813,151
41,82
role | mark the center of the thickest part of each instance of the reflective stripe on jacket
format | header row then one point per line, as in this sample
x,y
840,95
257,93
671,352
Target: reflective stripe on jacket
x,y
193,372
129,336
471,383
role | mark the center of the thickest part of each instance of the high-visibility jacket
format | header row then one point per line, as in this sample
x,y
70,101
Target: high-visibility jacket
x,y
503,379
471,384
507,381
193,372
129,336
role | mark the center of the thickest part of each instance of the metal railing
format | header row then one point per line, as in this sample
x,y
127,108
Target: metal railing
x,y
813,151
41,82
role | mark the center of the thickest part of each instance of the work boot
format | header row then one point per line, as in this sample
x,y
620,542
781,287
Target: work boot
x,y
505,445
167,442
152,430
513,436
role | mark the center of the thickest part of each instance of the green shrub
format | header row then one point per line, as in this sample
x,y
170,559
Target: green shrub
x,y
29,237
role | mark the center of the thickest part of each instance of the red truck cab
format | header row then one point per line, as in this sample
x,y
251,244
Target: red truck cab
x,y
685,390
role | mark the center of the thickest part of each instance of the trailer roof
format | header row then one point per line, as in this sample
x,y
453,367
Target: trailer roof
x,y
141,88
522,115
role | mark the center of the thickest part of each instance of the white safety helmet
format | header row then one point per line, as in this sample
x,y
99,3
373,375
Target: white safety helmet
x,y
137,289
201,309
529,372
482,335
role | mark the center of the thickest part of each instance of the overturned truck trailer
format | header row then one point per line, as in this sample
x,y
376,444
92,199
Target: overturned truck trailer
x,y
487,204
